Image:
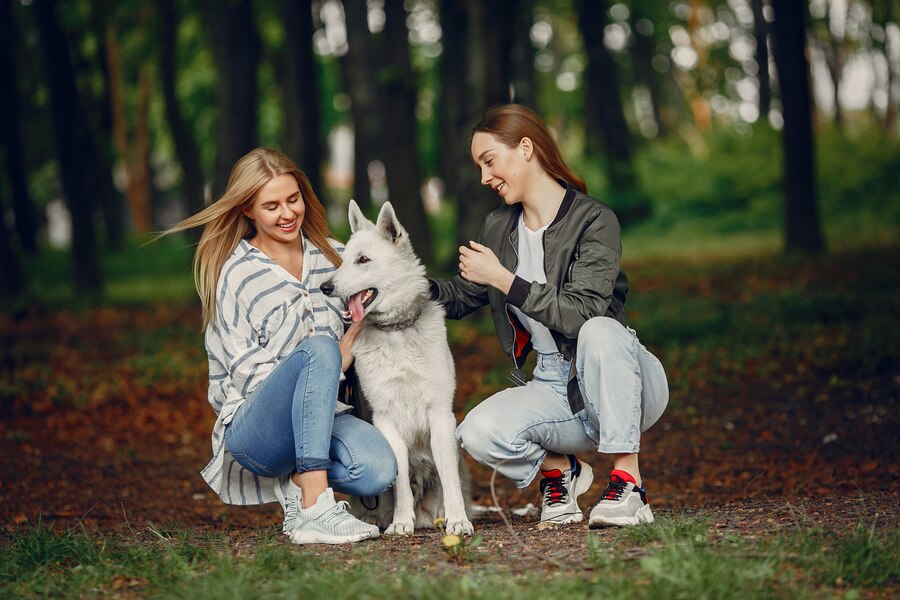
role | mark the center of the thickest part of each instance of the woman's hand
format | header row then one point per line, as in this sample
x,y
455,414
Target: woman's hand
x,y
480,265
346,345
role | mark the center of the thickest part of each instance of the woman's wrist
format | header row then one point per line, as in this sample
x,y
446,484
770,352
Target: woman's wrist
x,y
504,281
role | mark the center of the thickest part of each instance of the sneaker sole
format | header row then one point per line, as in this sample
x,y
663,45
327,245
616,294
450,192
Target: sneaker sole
x,y
317,537
643,515
582,485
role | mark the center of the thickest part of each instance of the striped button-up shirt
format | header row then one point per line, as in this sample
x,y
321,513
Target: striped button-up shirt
x,y
262,314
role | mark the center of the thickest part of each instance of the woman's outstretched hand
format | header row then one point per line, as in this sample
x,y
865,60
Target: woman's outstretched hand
x,y
346,345
479,264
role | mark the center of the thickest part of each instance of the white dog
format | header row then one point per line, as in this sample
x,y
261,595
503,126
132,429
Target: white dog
x,y
405,371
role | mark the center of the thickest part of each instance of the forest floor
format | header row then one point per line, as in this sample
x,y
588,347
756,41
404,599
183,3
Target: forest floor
x,y
783,415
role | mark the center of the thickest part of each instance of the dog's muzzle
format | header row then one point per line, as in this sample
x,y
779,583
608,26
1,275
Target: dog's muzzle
x,y
327,288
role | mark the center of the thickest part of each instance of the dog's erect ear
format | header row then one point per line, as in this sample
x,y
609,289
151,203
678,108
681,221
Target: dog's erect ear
x,y
356,217
389,226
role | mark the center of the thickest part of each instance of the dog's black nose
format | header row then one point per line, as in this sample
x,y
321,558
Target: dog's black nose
x,y
327,288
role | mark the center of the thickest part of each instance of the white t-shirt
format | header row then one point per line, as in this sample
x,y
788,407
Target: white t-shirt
x,y
531,268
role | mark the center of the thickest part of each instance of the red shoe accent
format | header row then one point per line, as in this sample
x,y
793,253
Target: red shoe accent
x,y
554,474
623,475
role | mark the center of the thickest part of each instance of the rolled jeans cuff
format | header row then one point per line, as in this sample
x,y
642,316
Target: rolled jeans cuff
x,y
313,464
619,448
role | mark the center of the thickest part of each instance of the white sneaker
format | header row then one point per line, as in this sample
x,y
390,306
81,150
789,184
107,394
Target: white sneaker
x,y
560,491
623,503
328,522
289,497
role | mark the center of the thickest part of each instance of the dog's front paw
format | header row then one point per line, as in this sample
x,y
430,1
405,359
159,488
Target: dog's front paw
x,y
399,528
463,527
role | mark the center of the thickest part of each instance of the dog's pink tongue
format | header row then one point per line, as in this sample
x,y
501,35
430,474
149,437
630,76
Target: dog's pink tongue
x,y
356,306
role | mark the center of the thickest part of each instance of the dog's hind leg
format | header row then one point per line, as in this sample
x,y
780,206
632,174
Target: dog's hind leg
x,y
446,458
404,517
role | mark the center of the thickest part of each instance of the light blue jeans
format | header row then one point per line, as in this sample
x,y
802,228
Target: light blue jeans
x,y
289,424
625,392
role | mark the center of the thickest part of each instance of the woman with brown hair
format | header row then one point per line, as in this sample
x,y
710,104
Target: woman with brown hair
x,y
277,351
548,264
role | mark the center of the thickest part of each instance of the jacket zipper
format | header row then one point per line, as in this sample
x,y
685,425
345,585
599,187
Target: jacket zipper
x,y
516,376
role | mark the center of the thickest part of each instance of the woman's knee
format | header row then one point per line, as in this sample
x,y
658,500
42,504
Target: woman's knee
x,y
602,336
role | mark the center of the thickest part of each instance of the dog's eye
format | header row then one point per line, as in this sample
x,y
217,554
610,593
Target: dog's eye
x,y
362,260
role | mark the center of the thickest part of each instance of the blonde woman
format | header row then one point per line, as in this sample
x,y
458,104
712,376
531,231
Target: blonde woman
x,y
277,350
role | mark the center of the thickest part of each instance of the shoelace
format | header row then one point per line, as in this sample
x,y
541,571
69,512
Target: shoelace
x,y
337,514
291,512
615,489
554,491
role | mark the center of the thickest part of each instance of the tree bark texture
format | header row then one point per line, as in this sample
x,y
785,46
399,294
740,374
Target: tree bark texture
x,y
236,48
78,158
761,33
303,138
399,126
10,127
803,231
358,69
185,144
133,149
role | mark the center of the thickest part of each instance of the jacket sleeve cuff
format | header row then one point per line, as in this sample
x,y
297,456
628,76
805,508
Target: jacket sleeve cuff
x,y
518,292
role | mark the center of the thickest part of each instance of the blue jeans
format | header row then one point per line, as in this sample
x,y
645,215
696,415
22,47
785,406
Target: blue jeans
x,y
624,389
289,424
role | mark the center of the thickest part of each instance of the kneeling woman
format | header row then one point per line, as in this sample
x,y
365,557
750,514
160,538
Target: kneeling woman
x,y
277,350
548,264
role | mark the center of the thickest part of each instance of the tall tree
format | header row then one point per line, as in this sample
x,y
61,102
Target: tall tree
x,y
358,76
487,33
131,141
399,126
761,33
236,48
12,281
78,158
643,51
11,114
605,124
185,144
98,106
803,232
303,138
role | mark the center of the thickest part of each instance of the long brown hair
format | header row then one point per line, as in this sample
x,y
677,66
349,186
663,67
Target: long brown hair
x,y
509,123
225,224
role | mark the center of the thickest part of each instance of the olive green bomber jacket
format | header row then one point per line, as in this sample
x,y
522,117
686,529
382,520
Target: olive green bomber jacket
x,y
582,250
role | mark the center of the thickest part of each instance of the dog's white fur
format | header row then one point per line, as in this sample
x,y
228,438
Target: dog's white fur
x,y
406,374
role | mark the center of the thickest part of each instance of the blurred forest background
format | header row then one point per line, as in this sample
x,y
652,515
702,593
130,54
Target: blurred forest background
x,y
693,119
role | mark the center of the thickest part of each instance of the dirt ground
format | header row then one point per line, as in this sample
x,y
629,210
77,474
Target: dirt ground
x,y
746,456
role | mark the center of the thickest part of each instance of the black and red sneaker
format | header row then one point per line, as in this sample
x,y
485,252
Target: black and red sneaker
x,y
623,503
560,491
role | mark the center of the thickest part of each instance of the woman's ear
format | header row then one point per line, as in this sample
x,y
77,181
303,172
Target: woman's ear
x,y
526,148
247,210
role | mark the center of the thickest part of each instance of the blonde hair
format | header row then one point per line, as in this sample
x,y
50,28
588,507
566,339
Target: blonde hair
x,y
225,224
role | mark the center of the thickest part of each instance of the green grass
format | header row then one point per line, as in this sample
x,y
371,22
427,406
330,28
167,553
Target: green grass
x,y
673,558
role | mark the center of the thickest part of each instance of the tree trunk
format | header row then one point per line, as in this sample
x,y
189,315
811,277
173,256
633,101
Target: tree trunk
x,y
801,217
399,120
642,51
358,68
605,118
486,33
521,53
12,282
131,155
78,158
761,32
835,56
10,128
185,145
303,138
236,49
99,114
